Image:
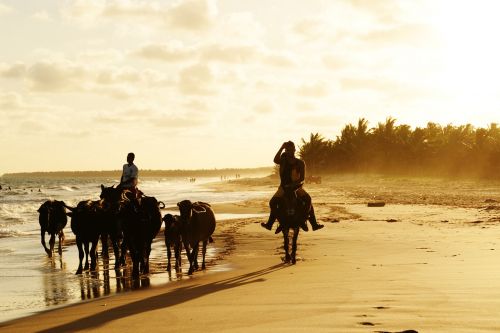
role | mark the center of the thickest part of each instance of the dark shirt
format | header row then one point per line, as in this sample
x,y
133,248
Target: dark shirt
x,y
291,170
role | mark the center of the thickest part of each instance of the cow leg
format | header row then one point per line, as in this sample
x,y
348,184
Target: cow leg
x,y
93,254
123,252
203,252
104,243
135,263
42,236
80,254
61,240
116,251
52,242
194,254
169,254
194,261
177,251
86,248
146,258
188,254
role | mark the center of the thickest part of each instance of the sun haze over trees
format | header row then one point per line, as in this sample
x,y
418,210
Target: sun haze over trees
x,y
390,148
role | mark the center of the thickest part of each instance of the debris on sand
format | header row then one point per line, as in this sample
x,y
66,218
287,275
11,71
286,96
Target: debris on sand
x,y
376,204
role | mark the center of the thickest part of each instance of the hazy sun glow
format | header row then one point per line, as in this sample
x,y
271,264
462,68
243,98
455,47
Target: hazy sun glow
x,y
470,53
222,83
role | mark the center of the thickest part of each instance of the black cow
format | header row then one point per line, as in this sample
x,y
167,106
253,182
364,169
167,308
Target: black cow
x,y
173,239
52,219
141,221
86,224
198,225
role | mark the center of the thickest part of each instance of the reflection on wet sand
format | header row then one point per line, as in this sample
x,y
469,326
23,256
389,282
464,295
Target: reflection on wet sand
x,y
61,286
55,284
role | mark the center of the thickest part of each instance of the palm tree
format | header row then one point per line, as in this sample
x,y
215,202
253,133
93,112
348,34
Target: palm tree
x,y
313,152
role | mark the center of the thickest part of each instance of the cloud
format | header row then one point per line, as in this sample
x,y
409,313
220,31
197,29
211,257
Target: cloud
x,y
42,16
11,101
285,60
232,54
4,9
61,75
410,34
52,76
264,107
191,15
196,80
12,71
318,89
170,52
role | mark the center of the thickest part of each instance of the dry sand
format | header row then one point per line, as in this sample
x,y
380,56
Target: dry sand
x,y
433,268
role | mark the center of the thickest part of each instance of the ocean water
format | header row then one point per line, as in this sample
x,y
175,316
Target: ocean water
x,y
32,282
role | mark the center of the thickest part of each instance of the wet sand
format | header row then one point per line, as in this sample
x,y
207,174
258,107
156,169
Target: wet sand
x,y
405,266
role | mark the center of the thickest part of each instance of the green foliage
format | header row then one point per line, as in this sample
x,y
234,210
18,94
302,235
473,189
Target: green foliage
x,y
398,149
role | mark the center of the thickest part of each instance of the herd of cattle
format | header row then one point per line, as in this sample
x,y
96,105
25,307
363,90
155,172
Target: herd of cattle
x,y
131,224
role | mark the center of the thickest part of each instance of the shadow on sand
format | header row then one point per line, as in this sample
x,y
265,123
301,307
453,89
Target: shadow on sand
x,y
171,298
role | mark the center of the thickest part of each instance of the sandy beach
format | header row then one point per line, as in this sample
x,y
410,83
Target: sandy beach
x,y
426,262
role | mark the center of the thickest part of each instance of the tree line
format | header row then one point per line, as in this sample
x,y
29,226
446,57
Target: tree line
x,y
389,148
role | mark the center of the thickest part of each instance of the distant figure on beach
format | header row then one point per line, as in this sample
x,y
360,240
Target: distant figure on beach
x,y
130,176
292,173
0,187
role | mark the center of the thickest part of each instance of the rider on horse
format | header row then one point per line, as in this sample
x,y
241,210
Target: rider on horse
x,y
292,174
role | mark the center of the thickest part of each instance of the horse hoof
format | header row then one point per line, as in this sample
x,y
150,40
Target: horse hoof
x,y
78,272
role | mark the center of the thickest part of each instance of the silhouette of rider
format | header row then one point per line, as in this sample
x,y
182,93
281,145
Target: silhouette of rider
x,y
129,176
292,173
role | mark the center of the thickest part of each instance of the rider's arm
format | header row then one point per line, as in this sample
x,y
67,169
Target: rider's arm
x,y
277,157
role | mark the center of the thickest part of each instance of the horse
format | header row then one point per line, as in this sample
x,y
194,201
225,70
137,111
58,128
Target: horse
x,y
198,225
141,222
173,239
291,213
52,218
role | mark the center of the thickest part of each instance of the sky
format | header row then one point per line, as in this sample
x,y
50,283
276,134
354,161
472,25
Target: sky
x,y
191,84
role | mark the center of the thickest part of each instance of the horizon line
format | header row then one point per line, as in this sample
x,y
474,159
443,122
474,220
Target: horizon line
x,y
82,172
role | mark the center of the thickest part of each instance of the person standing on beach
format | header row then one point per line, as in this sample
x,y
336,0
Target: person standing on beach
x,y
292,174
130,175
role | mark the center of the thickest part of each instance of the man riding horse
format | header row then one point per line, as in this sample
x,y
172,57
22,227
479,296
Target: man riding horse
x,y
292,174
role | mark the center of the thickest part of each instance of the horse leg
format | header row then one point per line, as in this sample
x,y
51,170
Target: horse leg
x,y
203,252
61,240
296,231
286,244
42,236
80,255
